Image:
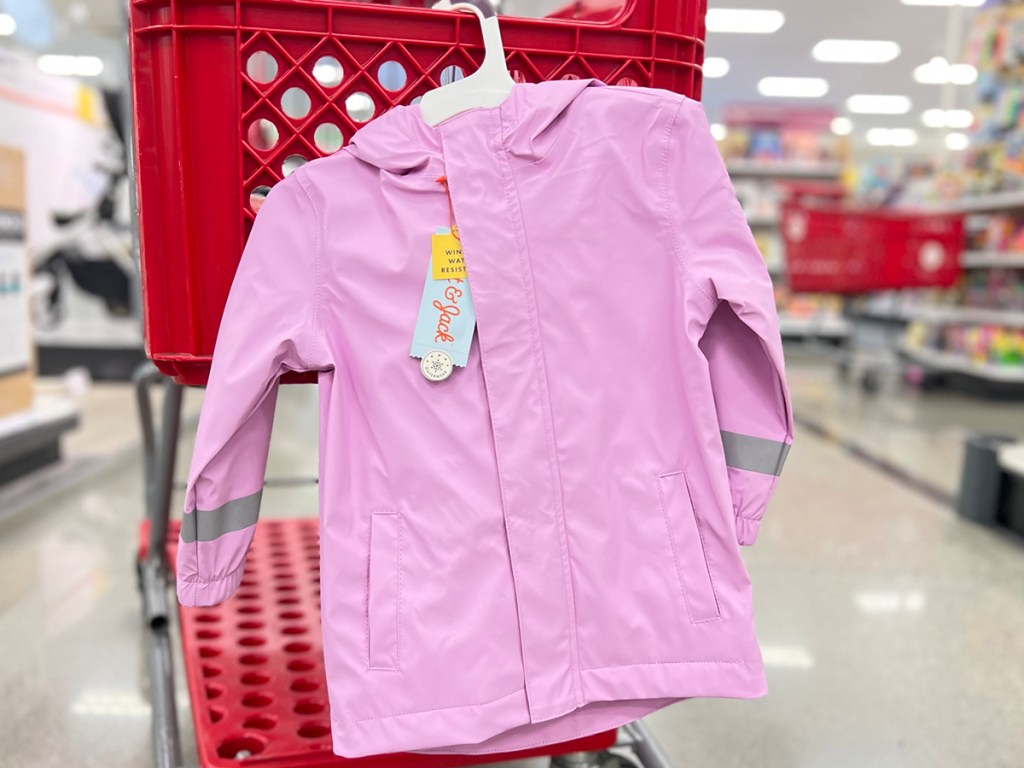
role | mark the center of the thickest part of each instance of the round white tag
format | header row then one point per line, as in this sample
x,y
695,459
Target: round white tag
x,y
436,365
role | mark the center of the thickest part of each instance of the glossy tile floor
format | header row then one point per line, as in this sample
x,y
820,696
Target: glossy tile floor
x,y
921,434
892,632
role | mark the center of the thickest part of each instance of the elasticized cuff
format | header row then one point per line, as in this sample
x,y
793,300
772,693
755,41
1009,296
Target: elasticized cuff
x,y
195,592
746,530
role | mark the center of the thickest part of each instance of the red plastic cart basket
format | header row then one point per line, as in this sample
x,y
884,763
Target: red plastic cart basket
x,y
834,249
212,132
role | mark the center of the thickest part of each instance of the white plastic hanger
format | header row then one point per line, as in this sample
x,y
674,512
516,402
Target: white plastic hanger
x,y
487,87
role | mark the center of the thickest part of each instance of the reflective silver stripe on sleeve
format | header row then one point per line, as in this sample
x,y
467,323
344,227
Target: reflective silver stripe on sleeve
x,y
209,524
754,454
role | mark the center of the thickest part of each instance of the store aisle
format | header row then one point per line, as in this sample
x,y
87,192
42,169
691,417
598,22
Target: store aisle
x,y
892,632
921,434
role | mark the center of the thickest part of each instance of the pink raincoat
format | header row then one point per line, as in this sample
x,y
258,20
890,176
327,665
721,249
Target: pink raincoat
x,y
545,544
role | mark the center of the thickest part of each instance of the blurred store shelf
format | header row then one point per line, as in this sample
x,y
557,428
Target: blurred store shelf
x,y
954,363
995,201
30,439
789,169
986,259
936,314
957,314
826,327
760,222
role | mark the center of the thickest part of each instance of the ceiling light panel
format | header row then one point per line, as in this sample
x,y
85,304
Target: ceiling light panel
x,y
902,137
793,87
715,66
957,142
842,126
946,3
934,118
947,118
962,74
878,104
856,51
744,21
7,24
959,118
81,66
938,71
891,137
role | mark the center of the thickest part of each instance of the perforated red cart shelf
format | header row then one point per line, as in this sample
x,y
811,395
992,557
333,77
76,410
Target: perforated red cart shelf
x,y
255,671
206,72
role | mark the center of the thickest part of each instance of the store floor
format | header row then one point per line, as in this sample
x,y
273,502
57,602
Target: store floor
x,y
920,434
893,633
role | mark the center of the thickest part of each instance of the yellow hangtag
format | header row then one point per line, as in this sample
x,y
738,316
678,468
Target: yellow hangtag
x,y
87,106
446,258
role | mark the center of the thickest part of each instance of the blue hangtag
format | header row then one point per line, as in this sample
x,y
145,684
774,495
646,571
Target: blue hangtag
x,y
446,320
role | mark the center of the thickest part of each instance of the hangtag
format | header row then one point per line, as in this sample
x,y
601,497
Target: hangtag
x,y
446,319
446,257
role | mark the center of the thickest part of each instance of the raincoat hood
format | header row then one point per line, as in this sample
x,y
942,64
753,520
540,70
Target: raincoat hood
x,y
400,142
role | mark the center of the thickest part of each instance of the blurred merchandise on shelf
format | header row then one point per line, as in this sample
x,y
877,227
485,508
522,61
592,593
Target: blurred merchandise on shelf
x,y
995,47
981,345
771,249
759,198
994,241
772,134
976,329
902,305
810,315
892,182
998,232
994,289
807,305
769,149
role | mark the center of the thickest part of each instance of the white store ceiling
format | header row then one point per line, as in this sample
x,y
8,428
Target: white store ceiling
x,y
920,31
101,17
84,27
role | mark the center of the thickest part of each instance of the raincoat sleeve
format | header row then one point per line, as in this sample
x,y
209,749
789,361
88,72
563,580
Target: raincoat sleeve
x,y
267,329
741,341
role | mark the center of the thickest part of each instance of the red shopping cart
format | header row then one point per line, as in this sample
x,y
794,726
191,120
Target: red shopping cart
x,y
832,247
229,96
835,248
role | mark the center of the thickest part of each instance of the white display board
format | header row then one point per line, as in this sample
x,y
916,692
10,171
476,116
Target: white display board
x,y
61,127
72,158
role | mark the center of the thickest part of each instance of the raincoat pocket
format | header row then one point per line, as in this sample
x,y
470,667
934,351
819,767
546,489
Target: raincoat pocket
x,y
384,590
687,543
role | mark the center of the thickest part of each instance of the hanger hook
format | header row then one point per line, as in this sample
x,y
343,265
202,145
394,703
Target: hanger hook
x,y
483,8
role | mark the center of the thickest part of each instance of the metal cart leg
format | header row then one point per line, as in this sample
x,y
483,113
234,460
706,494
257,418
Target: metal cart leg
x,y
160,447
635,748
647,750
577,760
